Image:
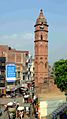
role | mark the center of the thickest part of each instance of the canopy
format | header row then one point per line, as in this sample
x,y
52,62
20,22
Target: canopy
x,y
10,104
20,108
26,96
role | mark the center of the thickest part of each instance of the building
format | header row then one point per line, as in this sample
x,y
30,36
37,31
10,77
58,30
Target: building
x,y
19,59
32,69
48,94
2,75
41,50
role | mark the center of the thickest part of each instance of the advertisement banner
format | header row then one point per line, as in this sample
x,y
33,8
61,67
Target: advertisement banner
x,y
10,72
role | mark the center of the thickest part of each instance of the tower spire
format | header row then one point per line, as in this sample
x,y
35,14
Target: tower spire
x,y
41,19
41,14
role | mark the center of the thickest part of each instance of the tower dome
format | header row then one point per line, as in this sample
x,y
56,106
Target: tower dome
x,y
41,19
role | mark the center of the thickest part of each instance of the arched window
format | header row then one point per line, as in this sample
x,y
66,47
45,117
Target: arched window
x,y
36,66
46,65
41,49
36,49
41,67
40,80
41,37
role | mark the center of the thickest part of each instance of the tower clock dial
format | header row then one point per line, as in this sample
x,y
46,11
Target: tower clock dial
x,y
41,27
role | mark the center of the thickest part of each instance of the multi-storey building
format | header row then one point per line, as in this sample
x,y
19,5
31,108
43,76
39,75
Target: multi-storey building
x,y
2,74
19,58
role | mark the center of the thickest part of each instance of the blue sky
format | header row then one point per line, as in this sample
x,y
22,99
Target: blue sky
x,y
17,20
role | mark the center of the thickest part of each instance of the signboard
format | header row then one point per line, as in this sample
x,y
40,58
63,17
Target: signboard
x,y
10,72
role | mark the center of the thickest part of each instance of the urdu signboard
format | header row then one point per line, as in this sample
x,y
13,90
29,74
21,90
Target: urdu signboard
x,y
10,72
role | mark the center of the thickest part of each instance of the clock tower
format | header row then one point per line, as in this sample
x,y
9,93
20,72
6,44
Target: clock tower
x,y
41,50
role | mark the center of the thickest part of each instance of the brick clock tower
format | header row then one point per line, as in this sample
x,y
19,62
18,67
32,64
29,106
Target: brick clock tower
x,y
41,50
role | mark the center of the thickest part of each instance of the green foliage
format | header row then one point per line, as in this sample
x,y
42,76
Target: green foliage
x,y
60,74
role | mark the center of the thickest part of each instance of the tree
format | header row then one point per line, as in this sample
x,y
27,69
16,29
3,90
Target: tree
x,y
60,75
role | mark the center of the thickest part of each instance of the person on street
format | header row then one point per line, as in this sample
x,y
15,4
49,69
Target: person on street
x,y
17,105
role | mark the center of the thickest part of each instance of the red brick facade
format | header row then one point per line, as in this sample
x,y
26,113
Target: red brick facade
x,y
14,56
45,87
41,50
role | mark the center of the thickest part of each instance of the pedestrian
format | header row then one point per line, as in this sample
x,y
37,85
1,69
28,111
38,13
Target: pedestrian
x,y
6,108
17,105
36,115
14,103
23,99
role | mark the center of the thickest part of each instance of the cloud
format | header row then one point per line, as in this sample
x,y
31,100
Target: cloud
x,y
21,41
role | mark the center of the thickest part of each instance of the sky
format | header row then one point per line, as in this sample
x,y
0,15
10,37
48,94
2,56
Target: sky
x,y
17,20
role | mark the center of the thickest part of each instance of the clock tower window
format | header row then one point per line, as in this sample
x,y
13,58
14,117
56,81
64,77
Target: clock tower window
x,y
46,65
41,37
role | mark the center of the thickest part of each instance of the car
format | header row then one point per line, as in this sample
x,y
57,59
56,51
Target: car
x,y
0,112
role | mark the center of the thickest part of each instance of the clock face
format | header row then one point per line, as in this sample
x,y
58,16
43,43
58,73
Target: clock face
x,y
41,27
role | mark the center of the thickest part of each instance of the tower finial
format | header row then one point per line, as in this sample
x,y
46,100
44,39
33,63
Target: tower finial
x,y
41,10
41,18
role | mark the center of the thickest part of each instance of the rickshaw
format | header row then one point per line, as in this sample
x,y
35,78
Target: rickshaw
x,y
11,113
20,112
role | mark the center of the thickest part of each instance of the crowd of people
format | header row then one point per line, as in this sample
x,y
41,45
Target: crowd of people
x,y
29,107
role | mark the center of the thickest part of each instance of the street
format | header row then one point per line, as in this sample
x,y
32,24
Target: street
x,y
5,116
4,101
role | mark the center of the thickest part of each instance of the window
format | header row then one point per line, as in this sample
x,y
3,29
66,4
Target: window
x,y
3,73
41,58
46,65
3,64
18,74
41,37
